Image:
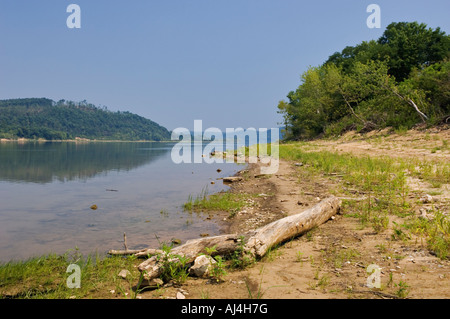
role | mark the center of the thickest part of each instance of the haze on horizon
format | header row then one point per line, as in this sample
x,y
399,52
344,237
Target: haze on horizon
x,y
227,63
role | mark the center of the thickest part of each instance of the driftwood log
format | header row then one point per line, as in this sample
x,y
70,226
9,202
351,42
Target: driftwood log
x,y
255,243
291,226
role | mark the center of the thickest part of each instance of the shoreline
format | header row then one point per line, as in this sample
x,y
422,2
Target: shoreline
x,y
330,262
76,140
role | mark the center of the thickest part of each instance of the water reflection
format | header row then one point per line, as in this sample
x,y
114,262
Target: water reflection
x,y
46,190
65,161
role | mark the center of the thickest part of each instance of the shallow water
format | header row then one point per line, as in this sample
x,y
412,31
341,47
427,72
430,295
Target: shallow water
x,y
47,189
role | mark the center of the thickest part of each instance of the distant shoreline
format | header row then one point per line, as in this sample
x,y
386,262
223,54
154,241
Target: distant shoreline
x,y
76,140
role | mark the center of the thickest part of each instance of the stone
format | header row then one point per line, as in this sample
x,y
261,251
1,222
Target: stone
x,y
232,179
426,199
176,241
153,283
124,273
180,295
202,265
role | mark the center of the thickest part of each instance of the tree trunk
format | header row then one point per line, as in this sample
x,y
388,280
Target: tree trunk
x,y
256,242
291,226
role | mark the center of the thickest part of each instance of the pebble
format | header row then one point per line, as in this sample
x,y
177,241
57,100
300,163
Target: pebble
x,y
124,273
426,199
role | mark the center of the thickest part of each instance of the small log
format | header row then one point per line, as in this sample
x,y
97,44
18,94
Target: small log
x,y
126,252
291,226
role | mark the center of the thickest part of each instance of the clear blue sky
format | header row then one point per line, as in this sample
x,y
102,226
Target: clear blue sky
x,y
226,62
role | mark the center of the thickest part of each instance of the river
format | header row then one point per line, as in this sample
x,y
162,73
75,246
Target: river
x,y
47,190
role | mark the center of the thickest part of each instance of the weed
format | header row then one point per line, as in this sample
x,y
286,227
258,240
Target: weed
x,y
436,231
381,248
399,234
240,258
210,250
217,270
173,266
403,289
324,281
299,258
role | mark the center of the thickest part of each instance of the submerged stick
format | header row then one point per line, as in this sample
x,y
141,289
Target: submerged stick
x,y
125,241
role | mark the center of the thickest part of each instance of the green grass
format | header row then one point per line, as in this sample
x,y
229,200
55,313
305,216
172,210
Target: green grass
x,y
45,277
434,233
382,183
381,180
224,201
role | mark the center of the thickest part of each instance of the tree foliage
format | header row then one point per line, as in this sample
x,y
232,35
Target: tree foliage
x,y
43,118
400,80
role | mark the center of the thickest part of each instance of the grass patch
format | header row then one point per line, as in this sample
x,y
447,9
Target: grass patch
x,y
45,277
380,183
434,233
223,201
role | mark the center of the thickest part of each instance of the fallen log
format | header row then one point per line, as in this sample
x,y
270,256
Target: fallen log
x,y
292,226
256,242
125,252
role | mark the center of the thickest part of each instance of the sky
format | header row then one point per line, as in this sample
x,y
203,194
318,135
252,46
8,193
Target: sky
x,y
225,62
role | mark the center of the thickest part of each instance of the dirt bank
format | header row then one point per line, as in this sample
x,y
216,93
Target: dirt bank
x,y
330,261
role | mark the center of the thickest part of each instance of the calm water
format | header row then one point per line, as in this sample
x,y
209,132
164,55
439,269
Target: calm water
x,y
47,189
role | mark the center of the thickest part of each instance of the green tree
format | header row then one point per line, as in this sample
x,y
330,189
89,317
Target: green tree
x,y
43,118
413,45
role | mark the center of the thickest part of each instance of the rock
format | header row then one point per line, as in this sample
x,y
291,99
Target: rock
x,y
201,266
232,179
184,292
153,283
124,273
180,295
426,199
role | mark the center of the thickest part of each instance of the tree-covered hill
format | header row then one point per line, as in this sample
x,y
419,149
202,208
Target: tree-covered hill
x,y
398,81
43,118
